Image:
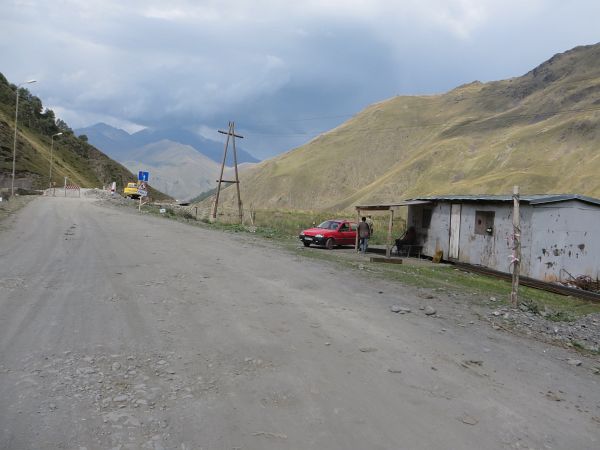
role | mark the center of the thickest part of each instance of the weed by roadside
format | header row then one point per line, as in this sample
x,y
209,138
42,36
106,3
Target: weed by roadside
x,y
10,207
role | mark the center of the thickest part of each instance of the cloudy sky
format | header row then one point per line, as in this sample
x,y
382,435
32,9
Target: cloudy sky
x,y
283,70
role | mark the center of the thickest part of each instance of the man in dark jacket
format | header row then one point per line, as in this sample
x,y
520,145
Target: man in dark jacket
x,y
364,233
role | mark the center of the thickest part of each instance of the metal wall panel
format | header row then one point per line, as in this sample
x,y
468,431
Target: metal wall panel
x,y
455,226
566,241
436,237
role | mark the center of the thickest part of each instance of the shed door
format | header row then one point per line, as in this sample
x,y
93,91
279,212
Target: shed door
x,y
454,231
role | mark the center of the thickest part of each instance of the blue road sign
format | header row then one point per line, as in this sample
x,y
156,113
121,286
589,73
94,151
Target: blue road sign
x,y
143,176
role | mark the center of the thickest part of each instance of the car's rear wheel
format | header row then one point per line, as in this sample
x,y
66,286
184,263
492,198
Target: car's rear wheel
x,y
306,244
329,244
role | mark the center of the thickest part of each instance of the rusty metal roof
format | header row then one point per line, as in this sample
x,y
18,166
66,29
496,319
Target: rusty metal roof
x,y
535,199
388,206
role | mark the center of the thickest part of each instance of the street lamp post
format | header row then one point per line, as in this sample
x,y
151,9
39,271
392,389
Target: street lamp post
x,y
52,154
12,183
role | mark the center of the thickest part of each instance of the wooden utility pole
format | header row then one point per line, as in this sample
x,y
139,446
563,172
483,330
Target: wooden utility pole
x,y
230,134
516,255
388,246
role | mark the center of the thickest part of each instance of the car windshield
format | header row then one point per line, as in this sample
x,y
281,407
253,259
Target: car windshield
x,y
329,225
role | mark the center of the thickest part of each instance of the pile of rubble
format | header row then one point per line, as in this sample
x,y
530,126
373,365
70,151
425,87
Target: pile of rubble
x,y
585,283
583,332
106,196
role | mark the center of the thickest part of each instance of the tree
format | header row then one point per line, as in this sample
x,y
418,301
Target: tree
x,y
62,126
47,122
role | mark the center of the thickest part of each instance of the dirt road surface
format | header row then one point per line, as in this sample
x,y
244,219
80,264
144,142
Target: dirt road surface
x,y
125,331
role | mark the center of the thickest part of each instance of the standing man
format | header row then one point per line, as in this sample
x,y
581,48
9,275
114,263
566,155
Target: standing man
x,y
364,232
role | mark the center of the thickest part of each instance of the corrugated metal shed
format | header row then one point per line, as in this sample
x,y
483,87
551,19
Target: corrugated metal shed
x,y
535,199
560,237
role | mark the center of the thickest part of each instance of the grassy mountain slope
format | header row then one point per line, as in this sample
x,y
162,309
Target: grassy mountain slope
x,y
73,157
540,131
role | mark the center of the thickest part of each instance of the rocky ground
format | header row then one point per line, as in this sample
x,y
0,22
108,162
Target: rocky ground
x,y
107,197
583,333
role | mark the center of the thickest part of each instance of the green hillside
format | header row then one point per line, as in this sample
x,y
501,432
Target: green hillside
x,y
73,157
540,131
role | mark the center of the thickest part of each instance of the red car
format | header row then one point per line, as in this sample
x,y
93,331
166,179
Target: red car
x,y
330,233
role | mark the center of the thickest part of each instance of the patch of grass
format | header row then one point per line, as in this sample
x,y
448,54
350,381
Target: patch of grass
x,y
477,287
531,306
10,207
581,347
265,232
560,315
449,279
578,345
556,307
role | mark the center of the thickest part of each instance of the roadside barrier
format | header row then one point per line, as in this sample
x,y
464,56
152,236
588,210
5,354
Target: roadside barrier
x,y
72,188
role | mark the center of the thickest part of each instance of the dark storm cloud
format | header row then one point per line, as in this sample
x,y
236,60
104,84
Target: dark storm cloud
x,y
284,71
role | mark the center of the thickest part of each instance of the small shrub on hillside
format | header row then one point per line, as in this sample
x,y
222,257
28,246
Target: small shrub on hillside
x,y
559,316
531,306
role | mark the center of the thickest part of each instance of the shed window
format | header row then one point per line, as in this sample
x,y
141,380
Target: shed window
x,y
484,222
426,218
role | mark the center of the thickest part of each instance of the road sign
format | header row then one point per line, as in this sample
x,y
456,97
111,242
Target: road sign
x,y
143,176
142,193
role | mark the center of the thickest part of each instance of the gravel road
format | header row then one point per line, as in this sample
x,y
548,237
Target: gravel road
x,y
136,332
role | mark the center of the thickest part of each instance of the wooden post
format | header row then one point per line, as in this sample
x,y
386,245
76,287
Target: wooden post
x,y
516,256
252,214
388,248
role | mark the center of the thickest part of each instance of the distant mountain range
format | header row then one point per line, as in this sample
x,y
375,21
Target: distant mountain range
x,y
540,131
182,164
175,169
